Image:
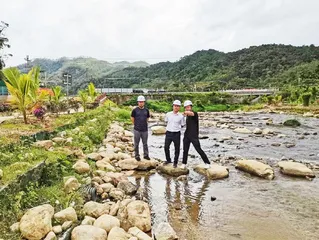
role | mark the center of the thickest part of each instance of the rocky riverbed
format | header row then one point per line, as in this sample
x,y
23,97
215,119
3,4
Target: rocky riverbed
x,y
253,199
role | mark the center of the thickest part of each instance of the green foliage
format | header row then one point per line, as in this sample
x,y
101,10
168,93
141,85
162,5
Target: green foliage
x,y
123,115
292,123
306,99
84,98
55,100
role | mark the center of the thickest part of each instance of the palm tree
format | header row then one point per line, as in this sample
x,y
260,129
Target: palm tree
x,y
56,98
84,98
92,92
23,88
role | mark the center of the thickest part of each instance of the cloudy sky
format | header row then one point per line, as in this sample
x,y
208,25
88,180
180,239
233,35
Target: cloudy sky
x,y
153,30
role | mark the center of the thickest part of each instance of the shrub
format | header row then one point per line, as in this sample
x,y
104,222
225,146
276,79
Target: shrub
x,y
306,99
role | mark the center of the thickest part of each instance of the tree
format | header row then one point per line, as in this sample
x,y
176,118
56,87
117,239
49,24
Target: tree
x,y
56,98
92,92
23,88
84,98
3,42
306,99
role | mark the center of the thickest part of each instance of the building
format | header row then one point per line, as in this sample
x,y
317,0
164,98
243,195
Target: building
x,y
3,88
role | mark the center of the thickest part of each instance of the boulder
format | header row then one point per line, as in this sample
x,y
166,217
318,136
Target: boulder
x,y
139,234
59,140
121,156
50,236
107,222
116,177
242,130
118,234
15,227
88,220
66,225
139,215
145,165
86,232
105,166
267,131
164,231
94,156
57,229
214,172
128,134
36,222
295,169
128,187
117,194
81,167
71,184
94,209
257,131
158,130
308,114
43,144
292,123
256,168
170,170
107,187
128,164
67,214
114,208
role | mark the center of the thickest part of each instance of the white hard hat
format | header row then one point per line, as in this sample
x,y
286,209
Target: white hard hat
x,y
177,102
188,103
141,99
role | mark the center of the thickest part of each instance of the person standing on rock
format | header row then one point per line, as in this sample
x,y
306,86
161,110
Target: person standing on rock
x,y
175,121
139,117
192,135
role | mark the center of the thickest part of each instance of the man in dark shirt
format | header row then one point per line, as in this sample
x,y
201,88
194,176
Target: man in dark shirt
x,y
139,117
192,135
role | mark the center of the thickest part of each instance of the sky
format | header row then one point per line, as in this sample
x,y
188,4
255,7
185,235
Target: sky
x,y
152,30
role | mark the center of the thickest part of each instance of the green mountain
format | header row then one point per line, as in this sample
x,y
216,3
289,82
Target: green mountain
x,y
254,67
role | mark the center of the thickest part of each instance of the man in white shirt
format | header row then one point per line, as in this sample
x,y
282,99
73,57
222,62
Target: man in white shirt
x,y
175,121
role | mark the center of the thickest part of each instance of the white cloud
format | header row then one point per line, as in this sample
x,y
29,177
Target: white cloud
x,y
153,30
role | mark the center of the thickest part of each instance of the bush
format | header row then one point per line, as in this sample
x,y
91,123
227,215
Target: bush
x,y
4,107
306,99
292,123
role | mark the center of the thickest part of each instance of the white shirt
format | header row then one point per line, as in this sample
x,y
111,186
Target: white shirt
x,y
175,122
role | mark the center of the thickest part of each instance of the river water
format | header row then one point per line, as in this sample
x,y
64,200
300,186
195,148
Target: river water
x,y
246,207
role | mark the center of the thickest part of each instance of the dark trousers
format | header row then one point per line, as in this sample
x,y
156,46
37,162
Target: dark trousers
x,y
174,137
195,141
137,137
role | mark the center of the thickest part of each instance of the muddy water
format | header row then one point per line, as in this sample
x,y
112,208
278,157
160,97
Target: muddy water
x,y
246,207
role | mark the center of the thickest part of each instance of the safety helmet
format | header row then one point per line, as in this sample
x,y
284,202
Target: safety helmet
x,y
177,102
188,103
141,99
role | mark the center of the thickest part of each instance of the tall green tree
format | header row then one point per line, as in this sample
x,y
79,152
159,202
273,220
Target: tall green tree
x,y
3,42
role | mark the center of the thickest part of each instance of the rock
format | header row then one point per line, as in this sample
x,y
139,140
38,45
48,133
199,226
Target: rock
x,y
128,164
117,194
158,130
50,236
71,184
107,187
122,156
139,234
242,130
116,177
128,187
67,214
203,137
308,114
107,222
292,123
281,136
290,145
164,231
94,209
145,165
275,144
295,169
170,170
267,131
36,222
86,232
81,167
118,234
1,174
214,172
257,131
182,178
43,144
105,166
94,156
66,225
15,227
57,229
88,220
256,168
59,140
139,215
128,134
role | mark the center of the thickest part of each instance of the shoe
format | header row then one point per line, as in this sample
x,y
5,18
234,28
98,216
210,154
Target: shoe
x,y
137,158
167,162
183,166
147,158
207,166
175,165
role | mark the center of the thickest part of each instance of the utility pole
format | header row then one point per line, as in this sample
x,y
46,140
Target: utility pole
x,y
67,81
